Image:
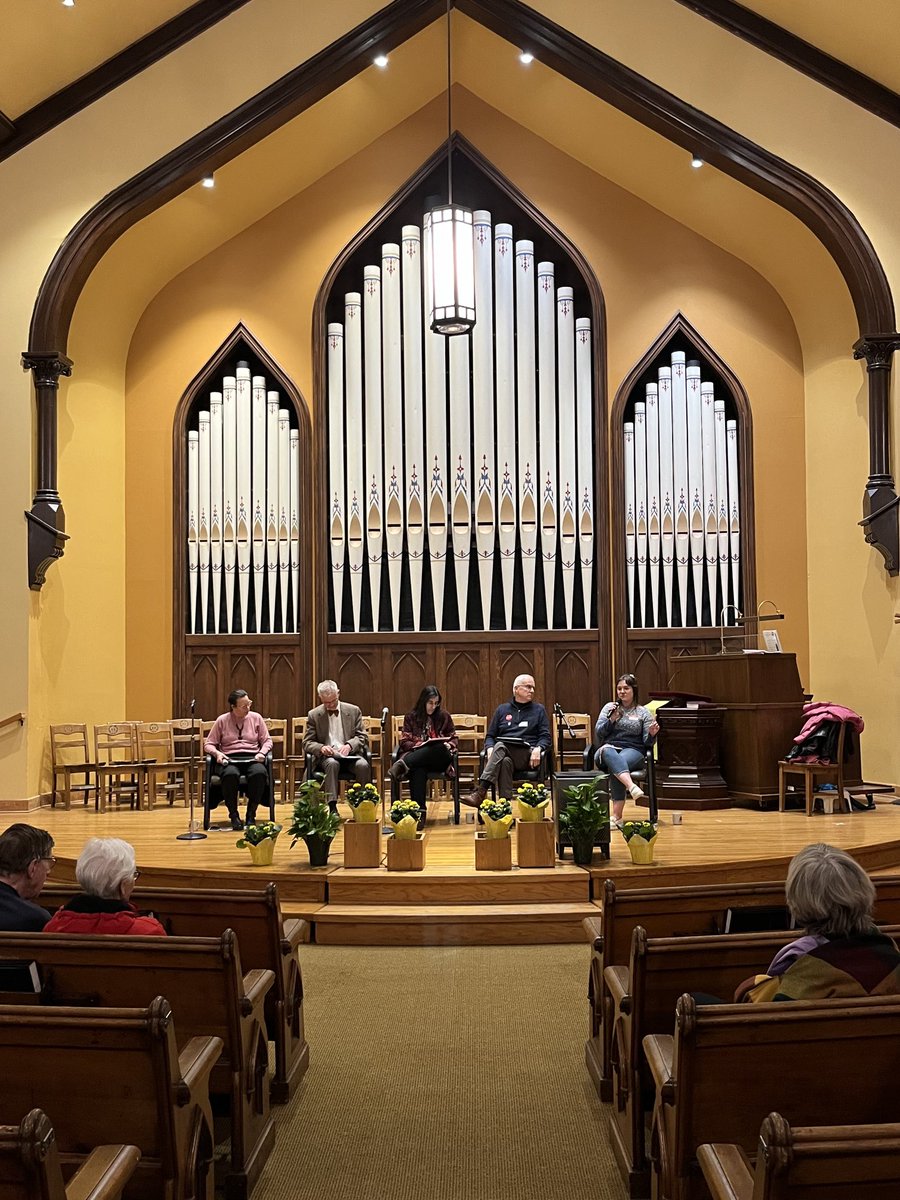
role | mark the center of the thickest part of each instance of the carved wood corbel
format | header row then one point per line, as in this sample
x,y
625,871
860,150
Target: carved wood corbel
x,y
881,514
47,535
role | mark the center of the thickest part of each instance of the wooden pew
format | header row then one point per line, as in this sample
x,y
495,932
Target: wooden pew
x,y
30,1168
209,994
115,1069
830,1162
729,1065
644,995
674,912
267,941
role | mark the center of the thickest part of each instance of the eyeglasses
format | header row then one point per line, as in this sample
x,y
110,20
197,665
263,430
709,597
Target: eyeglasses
x,y
136,875
47,858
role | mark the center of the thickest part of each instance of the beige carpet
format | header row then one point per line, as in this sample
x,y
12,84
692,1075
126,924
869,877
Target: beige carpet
x,y
445,1072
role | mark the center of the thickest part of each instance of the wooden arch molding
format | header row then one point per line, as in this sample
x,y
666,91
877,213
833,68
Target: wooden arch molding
x,y
680,326
818,208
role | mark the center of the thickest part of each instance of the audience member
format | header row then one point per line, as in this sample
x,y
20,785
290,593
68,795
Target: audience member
x,y
26,859
107,874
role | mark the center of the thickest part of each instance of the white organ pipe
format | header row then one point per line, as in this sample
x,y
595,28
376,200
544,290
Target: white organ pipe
x,y
722,499
695,481
258,518
272,503
584,407
215,503
415,475
630,532
295,526
374,440
203,529
484,463
504,360
526,418
229,496
354,440
244,502
708,439
565,354
666,481
337,509
435,451
654,527
640,508
547,498
393,420
681,484
193,516
734,509
460,471
284,510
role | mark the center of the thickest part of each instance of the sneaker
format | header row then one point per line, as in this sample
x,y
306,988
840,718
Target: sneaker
x,y
237,824
616,823
636,793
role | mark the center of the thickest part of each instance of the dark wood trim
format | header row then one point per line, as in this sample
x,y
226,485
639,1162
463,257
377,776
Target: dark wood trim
x,y
774,39
180,638
116,70
680,325
460,145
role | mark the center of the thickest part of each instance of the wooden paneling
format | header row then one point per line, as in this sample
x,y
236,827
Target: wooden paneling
x,y
271,669
653,656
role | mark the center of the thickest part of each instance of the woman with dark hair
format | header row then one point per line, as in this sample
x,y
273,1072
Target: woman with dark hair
x,y
626,731
427,742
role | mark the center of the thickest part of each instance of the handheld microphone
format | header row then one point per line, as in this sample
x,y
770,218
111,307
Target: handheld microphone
x,y
193,703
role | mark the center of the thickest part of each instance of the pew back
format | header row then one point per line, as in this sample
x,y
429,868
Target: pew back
x,y
30,1168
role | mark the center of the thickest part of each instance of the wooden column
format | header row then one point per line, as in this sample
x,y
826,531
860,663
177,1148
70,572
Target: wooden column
x,y
47,535
881,516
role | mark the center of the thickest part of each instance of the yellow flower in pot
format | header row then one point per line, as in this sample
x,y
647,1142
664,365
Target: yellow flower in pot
x,y
497,816
640,836
364,799
532,800
260,841
405,819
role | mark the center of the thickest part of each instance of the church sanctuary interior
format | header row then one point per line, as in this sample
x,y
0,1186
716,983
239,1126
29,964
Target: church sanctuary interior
x,y
450,342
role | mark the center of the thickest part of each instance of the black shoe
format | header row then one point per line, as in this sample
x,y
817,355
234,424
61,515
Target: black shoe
x,y
420,824
237,824
399,770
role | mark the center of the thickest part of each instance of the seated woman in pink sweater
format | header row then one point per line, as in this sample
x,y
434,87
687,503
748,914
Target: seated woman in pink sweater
x,y
107,874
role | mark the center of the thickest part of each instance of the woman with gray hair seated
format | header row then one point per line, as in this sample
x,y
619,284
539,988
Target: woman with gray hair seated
x,y
842,953
107,874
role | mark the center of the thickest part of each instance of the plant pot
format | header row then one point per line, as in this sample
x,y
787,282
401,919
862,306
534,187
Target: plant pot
x,y
535,844
493,853
406,854
362,844
582,850
641,850
532,814
319,849
262,853
366,813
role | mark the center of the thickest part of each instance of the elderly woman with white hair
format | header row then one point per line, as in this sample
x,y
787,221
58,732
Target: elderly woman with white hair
x,y
107,873
841,953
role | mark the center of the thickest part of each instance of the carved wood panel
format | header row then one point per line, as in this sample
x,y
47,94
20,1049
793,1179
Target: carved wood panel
x,y
653,655
271,670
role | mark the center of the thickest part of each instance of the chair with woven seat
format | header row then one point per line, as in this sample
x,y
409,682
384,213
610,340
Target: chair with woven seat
x,y
444,776
70,760
120,776
164,776
813,775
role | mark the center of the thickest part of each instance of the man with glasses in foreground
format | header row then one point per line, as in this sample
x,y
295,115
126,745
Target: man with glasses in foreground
x,y
517,738
26,859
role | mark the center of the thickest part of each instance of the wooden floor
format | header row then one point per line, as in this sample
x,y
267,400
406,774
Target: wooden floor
x,y
452,903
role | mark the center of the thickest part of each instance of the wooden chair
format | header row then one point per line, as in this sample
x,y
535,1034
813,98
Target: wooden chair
x,y
163,775
99,1069
185,735
278,732
470,734
814,775
296,760
212,789
433,777
574,733
824,1162
645,775
30,1168
120,776
374,727
70,761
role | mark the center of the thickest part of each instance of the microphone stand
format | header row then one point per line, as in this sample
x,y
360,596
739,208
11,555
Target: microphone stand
x,y
560,722
193,834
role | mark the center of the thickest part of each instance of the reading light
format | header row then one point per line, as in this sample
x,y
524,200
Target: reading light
x,y
696,162
526,57
208,181
381,60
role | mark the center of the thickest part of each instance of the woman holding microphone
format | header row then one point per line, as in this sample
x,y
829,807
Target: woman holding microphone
x,y
626,731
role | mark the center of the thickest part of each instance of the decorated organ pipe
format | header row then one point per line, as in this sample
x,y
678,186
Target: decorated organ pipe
x,y
488,445
681,500
243,517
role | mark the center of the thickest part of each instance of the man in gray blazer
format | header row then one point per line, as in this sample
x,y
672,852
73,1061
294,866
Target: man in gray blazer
x,y
336,736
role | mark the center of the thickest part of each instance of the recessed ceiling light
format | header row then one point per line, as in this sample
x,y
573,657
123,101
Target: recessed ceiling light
x,y
381,60
208,181
68,3
526,57
696,162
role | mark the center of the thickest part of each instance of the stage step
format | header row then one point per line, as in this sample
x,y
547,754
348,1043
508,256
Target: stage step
x,y
440,885
450,924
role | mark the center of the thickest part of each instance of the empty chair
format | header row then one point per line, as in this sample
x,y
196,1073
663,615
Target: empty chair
x,y
164,776
119,775
72,765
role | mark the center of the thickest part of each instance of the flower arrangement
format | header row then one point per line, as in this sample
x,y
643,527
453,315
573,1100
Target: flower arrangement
x,y
533,800
254,834
405,818
642,829
497,815
364,799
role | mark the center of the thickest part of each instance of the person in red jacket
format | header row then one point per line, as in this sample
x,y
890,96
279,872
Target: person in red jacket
x,y
107,874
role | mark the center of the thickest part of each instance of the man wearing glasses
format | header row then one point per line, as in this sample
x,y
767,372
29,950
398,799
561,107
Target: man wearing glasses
x,y
517,739
26,859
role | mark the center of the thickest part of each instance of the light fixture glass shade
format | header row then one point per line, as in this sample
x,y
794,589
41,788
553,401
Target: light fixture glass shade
x,y
449,235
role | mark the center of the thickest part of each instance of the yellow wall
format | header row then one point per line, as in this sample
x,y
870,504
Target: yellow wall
x,y
648,266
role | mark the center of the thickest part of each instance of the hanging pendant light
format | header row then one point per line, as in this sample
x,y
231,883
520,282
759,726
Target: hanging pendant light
x,y
448,233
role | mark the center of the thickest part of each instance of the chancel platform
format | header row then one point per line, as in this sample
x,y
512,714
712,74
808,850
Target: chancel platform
x,y
450,902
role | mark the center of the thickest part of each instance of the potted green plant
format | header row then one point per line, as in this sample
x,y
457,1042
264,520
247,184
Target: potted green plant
x,y
314,822
259,839
640,836
585,814
532,799
364,799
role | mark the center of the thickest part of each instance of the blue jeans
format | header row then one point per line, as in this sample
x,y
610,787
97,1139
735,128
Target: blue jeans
x,y
614,761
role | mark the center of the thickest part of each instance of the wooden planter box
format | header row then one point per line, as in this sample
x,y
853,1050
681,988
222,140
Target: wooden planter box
x,y
362,844
535,844
493,854
404,854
